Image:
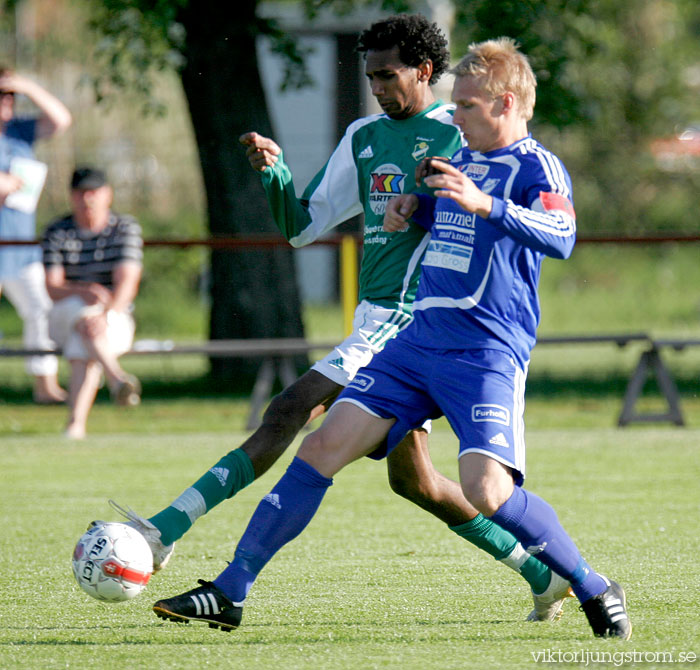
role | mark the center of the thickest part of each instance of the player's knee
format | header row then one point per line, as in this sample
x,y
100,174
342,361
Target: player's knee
x,y
482,494
408,485
315,449
399,484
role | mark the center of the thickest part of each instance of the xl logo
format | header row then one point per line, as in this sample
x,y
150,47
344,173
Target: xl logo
x,y
493,413
386,182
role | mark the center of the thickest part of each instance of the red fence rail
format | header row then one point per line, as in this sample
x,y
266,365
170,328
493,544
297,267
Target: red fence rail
x,y
266,241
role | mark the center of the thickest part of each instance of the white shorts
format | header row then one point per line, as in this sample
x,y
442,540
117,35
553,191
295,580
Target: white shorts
x,y
65,314
372,328
27,292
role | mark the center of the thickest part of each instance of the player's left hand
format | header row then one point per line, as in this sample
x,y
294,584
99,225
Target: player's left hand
x,y
398,211
449,182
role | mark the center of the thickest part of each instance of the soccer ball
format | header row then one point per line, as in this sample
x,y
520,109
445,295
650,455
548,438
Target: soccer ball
x,y
112,562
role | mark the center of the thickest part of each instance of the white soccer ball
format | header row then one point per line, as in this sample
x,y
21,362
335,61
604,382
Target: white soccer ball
x,y
112,562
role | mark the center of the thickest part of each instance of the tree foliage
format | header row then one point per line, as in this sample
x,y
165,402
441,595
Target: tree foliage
x,y
140,38
612,77
212,46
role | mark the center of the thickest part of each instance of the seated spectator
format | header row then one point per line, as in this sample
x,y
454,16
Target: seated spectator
x,y
92,259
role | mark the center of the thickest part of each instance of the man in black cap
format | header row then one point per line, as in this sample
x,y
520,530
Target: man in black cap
x,y
92,258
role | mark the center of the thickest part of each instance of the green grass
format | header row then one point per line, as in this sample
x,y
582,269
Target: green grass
x,y
400,591
372,583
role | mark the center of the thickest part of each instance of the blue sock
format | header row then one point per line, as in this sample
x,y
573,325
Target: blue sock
x,y
281,515
536,525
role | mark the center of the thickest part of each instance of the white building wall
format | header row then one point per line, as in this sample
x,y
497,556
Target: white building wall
x,y
304,120
304,128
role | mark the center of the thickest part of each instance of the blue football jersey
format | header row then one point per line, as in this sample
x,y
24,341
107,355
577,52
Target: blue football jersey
x,y
478,286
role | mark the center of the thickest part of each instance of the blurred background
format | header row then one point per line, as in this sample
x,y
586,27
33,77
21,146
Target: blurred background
x,y
160,92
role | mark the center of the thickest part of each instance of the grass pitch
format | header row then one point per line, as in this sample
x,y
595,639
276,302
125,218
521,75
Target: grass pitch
x,y
373,582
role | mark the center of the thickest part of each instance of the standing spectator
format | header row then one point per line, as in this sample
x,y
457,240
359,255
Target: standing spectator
x,y
21,271
92,259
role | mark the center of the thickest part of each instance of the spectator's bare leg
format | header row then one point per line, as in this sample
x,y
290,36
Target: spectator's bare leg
x,y
47,390
99,350
84,382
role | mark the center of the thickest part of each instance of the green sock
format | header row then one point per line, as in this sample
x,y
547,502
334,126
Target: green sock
x,y
500,544
536,573
231,474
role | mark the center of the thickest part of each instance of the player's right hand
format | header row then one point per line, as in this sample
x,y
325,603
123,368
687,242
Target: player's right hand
x,y
398,211
262,152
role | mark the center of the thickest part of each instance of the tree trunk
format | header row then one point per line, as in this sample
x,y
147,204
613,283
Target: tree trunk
x,y
254,293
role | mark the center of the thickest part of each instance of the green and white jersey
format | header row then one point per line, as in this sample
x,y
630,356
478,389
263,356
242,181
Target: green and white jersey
x,y
375,161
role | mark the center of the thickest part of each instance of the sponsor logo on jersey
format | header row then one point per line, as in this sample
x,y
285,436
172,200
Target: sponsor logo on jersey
x,y
366,152
489,185
420,151
361,382
336,363
493,413
475,171
459,219
448,256
499,439
385,183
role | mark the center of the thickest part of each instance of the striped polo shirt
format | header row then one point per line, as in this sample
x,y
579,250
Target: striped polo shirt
x,y
91,257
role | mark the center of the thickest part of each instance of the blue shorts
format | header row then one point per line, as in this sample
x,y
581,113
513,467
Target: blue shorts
x,y
480,392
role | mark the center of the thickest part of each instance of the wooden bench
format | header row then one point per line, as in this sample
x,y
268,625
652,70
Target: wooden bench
x,y
620,339
634,388
277,364
276,354
652,362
